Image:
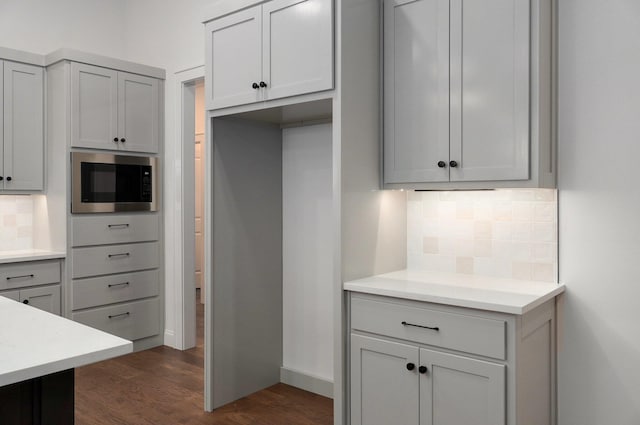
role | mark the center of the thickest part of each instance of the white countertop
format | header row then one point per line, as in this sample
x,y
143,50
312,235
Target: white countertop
x,y
480,292
35,343
17,256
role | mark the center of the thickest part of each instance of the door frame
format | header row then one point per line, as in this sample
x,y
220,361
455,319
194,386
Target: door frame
x,y
184,228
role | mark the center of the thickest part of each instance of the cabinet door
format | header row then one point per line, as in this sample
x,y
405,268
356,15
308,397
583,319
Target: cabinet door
x,y
23,127
297,39
94,106
490,89
12,295
383,390
45,298
138,113
2,125
460,390
233,59
416,90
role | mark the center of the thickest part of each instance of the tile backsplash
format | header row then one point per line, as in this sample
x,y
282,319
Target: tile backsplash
x,y
16,222
505,233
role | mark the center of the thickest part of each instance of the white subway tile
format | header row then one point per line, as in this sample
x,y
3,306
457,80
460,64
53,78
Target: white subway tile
x,y
464,265
507,233
522,270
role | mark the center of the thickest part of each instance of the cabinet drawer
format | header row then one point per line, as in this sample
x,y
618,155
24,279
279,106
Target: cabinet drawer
x,y
31,273
135,320
114,289
102,260
112,229
482,336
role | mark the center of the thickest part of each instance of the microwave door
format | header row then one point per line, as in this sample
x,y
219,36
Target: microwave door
x,y
99,182
128,183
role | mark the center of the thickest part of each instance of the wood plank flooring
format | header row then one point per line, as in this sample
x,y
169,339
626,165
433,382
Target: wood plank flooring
x,y
165,386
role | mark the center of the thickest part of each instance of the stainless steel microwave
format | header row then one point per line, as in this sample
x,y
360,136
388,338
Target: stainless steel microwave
x,y
102,182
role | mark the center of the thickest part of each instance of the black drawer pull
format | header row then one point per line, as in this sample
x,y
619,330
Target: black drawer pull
x,y
119,315
30,276
124,254
118,226
113,285
421,326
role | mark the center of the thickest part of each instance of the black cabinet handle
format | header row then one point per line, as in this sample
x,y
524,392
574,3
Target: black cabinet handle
x,y
263,84
255,86
9,179
119,315
115,139
113,285
20,277
25,302
453,164
422,369
124,254
122,140
421,326
410,366
1,178
442,164
118,226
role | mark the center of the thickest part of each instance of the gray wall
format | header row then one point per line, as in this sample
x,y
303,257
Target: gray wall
x,y
599,154
247,258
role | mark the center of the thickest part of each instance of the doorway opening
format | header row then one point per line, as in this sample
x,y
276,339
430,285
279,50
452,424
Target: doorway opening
x,y
190,152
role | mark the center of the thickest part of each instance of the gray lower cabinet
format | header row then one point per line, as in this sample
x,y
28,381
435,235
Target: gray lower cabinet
x,y
411,369
36,283
383,390
116,282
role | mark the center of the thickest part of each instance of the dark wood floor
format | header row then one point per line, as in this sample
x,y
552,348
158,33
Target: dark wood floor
x,y
165,386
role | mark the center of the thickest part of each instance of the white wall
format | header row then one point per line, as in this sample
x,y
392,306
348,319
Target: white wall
x,y
170,35
307,251
42,26
599,153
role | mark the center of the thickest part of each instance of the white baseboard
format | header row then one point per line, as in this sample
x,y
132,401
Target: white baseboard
x,y
306,382
169,338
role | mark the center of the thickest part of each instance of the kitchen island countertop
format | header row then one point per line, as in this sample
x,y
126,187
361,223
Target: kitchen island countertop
x,y
35,343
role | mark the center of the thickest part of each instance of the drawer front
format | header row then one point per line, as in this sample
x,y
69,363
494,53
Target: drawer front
x,y
102,260
30,273
111,229
98,291
477,335
135,320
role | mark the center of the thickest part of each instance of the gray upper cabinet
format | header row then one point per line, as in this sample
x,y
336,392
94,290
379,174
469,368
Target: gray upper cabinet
x,y
416,90
113,110
276,49
233,59
467,94
22,138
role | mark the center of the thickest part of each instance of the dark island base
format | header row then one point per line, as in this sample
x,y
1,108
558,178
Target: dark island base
x,y
47,400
